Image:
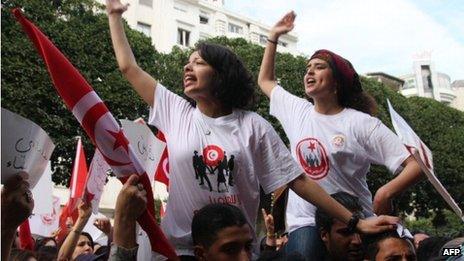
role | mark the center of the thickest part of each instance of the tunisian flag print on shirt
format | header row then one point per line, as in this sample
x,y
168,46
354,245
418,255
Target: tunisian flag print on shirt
x,y
99,124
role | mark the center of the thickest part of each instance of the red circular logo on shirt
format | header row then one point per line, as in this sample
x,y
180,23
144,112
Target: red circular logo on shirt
x,y
313,158
213,155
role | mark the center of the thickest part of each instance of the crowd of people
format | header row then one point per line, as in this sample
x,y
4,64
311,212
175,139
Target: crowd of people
x,y
334,138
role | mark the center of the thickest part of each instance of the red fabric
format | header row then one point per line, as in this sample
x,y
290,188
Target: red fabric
x,y
99,125
162,171
161,136
78,176
346,72
25,236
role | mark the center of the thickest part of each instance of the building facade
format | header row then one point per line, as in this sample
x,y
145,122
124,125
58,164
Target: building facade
x,y
182,23
387,79
458,88
426,81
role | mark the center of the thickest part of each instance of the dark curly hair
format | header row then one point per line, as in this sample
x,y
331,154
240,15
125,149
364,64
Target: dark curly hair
x,y
233,85
213,218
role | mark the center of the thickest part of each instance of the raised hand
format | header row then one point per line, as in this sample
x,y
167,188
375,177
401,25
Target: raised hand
x,y
284,25
103,224
84,210
269,223
115,7
17,202
132,198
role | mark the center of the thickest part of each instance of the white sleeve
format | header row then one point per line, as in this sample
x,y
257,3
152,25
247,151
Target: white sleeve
x,y
289,109
167,110
383,147
275,165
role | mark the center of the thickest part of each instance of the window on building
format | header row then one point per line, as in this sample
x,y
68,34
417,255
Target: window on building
x,y
144,28
183,37
146,2
426,77
409,84
204,19
233,28
262,39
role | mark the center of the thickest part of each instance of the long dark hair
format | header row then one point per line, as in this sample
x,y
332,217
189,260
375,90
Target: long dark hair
x,y
355,98
233,85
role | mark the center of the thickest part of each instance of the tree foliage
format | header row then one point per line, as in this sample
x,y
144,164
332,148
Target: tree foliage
x,y
80,30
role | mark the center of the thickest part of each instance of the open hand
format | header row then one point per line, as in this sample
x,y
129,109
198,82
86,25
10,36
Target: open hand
x,y
115,7
378,224
284,25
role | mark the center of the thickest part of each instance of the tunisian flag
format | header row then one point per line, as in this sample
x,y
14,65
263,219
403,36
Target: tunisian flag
x,y
76,188
99,125
162,171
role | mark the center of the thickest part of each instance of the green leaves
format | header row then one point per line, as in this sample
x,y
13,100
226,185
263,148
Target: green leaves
x,y
83,36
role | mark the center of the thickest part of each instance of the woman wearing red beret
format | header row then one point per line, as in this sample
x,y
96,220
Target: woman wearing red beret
x,y
333,137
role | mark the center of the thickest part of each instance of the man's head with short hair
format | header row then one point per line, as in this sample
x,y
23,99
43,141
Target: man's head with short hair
x,y
221,232
389,246
339,241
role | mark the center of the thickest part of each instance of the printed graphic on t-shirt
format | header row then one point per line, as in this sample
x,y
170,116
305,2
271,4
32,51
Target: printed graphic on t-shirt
x,y
338,141
212,165
313,158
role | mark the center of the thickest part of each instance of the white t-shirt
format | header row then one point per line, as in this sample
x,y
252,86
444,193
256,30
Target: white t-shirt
x,y
334,150
236,153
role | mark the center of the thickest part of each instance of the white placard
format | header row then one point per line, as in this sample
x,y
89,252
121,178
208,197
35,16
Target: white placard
x,y
43,193
147,147
96,180
25,147
46,224
422,154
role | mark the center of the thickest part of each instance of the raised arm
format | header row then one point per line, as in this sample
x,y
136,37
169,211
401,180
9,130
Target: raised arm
x,y
143,83
17,205
266,78
69,244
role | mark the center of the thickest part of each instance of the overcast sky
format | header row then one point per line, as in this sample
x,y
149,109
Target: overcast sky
x,y
374,35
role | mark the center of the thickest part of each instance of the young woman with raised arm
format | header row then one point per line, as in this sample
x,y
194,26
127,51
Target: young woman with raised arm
x,y
217,139
333,138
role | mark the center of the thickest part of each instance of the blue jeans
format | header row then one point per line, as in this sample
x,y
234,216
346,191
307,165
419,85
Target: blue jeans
x,y
307,242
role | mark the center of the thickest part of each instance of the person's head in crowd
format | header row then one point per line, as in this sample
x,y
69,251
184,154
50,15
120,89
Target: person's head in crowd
x,y
341,243
389,246
221,77
430,248
47,253
341,81
221,232
45,241
418,237
22,255
84,245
